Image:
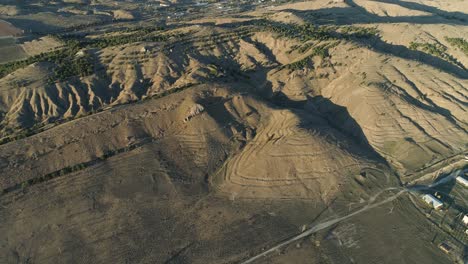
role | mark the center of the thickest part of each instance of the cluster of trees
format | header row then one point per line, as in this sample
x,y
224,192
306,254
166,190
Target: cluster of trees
x,y
303,32
145,30
56,56
435,49
127,36
76,66
125,39
7,68
46,177
210,42
298,65
20,135
19,132
459,43
321,51
68,64
358,32
308,31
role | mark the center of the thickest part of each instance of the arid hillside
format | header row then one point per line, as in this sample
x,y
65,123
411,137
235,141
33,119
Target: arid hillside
x,y
378,94
213,139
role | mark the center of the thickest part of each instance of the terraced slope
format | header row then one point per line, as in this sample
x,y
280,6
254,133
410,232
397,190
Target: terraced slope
x,y
389,106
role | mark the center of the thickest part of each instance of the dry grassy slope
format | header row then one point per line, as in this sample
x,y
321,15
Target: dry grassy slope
x,y
405,33
444,5
90,137
155,197
7,29
130,208
286,17
283,134
410,113
43,44
292,155
280,145
125,77
422,114
309,5
388,9
407,116
125,74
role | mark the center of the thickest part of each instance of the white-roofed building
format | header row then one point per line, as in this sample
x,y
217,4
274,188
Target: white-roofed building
x,y
462,180
432,201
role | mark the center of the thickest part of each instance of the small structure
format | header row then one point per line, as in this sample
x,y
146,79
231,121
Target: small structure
x,y
432,201
445,248
194,110
462,180
465,219
81,53
144,49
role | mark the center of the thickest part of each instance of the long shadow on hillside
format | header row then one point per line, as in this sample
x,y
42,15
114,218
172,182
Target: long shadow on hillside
x,y
337,117
32,26
448,185
358,15
454,17
405,53
378,45
424,8
36,27
316,113
431,106
374,43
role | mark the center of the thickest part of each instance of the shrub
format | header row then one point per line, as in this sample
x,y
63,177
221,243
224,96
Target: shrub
x,y
459,43
434,49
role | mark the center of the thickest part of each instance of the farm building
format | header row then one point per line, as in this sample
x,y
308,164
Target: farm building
x,y
465,219
445,248
462,180
432,201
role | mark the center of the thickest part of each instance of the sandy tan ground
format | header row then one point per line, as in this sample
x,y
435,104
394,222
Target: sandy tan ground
x,y
228,137
7,29
44,44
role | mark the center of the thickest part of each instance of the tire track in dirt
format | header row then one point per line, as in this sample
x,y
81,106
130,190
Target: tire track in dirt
x,y
370,205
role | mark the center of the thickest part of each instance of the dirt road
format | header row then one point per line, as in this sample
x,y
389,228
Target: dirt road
x,y
370,205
